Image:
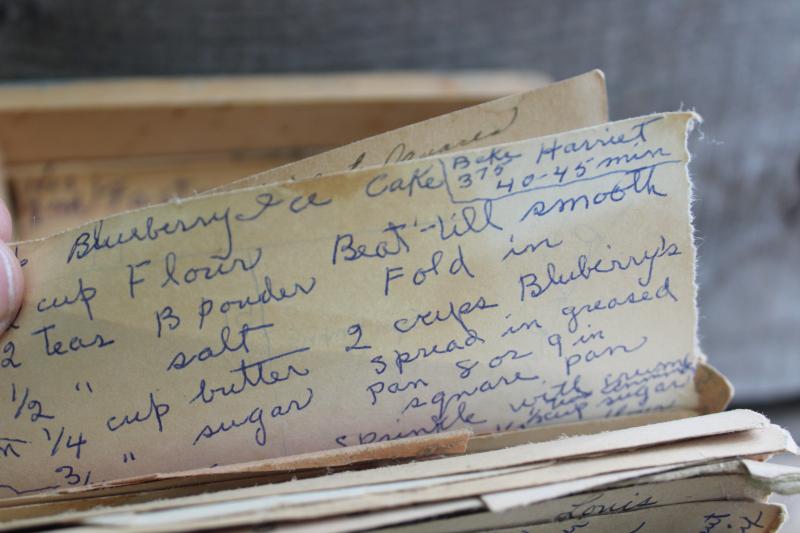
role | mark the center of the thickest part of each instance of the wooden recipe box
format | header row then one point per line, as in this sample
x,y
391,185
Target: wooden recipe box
x,y
73,152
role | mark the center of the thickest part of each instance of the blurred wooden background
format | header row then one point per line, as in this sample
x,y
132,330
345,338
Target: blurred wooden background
x,y
737,63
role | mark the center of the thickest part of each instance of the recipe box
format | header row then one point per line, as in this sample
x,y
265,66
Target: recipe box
x,y
75,151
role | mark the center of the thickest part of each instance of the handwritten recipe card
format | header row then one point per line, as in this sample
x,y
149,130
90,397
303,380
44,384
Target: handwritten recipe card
x,y
485,321
492,289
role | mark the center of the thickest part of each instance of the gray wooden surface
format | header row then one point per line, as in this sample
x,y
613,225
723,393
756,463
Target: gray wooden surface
x,y
737,63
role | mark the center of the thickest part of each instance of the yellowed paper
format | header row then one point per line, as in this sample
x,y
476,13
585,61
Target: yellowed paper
x,y
494,441
440,444
447,481
750,517
261,510
604,502
502,501
580,506
783,479
715,390
370,521
677,454
51,197
540,454
505,500
309,498
570,104
574,103
541,281
702,517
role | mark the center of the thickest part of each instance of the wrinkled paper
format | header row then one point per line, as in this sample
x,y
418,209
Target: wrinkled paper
x,y
541,281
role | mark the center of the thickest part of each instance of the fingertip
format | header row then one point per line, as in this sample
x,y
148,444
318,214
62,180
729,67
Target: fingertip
x,y
12,286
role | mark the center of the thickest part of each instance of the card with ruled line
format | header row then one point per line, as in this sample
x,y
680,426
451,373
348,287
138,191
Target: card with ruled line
x,y
546,280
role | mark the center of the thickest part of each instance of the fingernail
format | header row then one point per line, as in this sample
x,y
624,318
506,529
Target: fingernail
x,y
6,222
10,286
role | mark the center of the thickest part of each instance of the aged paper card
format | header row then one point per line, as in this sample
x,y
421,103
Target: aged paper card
x,y
501,288
570,104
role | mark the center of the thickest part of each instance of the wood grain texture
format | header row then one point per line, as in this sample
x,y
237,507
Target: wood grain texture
x,y
737,63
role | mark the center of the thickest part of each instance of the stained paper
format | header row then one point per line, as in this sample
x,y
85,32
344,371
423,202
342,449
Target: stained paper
x,y
542,281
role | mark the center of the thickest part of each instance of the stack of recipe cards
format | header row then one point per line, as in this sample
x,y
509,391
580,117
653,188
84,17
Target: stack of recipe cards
x,y
485,321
